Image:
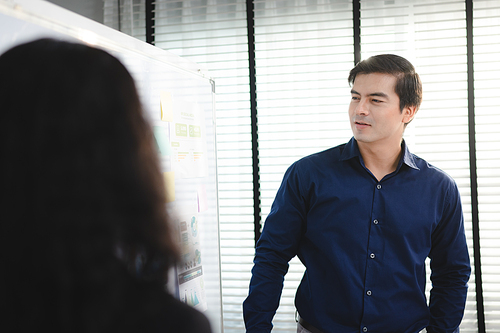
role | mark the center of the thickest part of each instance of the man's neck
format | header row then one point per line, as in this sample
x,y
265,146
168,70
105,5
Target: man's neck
x,y
381,160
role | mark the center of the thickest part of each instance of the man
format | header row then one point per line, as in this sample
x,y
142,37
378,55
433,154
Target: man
x,y
363,217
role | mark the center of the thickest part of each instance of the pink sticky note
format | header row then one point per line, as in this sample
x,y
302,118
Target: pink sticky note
x,y
202,198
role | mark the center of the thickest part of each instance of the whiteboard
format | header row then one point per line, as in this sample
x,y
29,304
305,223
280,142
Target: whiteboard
x,y
179,101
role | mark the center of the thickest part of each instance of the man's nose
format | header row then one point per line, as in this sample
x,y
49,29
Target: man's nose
x,y
362,107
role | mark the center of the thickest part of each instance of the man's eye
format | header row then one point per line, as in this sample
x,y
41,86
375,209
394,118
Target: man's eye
x,y
354,98
376,101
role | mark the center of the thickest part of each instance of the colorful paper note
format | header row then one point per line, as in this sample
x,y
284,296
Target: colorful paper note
x,y
167,113
202,198
162,140
169,181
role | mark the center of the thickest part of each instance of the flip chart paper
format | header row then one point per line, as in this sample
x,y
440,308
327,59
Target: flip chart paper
x,y
188,142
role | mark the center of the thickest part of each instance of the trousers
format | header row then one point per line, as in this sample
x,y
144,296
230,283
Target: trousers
x,y
301,329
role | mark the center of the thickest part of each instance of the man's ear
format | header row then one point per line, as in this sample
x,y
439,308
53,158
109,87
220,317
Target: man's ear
x,y
409,113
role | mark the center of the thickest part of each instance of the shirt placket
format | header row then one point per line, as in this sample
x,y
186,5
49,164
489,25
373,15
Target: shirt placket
x,y
373,248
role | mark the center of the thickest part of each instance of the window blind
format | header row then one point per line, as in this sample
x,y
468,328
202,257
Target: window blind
x,y
303,54
486,32
432,35
213,33
128,16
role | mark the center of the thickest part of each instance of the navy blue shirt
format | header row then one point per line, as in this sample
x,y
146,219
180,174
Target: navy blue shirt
x,y
364,244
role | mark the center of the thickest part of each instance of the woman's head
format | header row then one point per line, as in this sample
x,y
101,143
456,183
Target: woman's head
x,y
80,181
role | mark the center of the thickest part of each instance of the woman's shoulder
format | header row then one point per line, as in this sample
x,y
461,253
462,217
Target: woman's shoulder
x,y
180,317
164,313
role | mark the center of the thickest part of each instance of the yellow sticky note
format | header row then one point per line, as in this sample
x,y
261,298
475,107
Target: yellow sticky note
x,y
169,181
167,113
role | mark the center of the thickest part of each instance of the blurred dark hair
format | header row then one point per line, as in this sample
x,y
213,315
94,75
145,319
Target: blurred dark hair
x,y
82,199
408,85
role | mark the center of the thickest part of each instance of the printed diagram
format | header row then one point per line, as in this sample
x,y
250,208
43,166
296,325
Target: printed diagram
x,y
190,270
190,296
188,141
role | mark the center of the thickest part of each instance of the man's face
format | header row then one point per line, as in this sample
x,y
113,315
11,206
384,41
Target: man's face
x,y
374,111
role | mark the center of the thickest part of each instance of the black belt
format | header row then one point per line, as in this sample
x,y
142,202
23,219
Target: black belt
x,y
308,326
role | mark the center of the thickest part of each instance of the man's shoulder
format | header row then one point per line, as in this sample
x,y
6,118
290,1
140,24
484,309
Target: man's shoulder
x,y
432,173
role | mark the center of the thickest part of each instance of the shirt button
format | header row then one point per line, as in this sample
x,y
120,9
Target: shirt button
x,y
365,329
375,221
369,292
379,186
372,255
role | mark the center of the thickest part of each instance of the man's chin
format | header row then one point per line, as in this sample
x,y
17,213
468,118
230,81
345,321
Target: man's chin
x,y
362,138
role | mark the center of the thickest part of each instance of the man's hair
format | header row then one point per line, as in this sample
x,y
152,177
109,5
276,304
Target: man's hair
x,y
408,85
81,195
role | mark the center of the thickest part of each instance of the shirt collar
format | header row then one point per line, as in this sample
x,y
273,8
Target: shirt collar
x,y
408,158
351,150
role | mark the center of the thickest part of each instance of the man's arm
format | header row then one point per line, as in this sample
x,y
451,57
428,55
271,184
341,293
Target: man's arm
x,y
276,246
450,265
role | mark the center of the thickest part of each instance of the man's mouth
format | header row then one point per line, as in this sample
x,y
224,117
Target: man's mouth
x,y
361,123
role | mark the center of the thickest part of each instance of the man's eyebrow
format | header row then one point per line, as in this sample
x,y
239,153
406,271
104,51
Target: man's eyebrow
x,y
379,94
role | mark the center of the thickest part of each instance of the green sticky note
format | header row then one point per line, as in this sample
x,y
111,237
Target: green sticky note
x,y
162,141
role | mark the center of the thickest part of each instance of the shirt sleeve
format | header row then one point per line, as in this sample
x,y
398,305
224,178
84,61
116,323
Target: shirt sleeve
x,y
450,265
276,247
